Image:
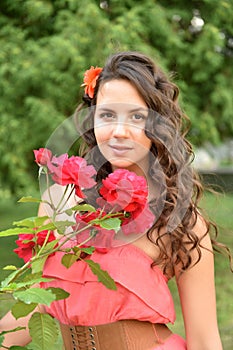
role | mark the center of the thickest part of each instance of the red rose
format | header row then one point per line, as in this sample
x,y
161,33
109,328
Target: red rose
x,y
90,78
125,190
42,156
27,243
73,170
103,238
138,222
41,236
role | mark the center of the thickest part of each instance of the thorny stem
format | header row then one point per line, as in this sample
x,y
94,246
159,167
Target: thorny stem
x,y
44,243
49,192
72,189
56,209
20,271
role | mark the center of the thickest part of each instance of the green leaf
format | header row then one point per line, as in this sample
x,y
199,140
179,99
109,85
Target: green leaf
x,y
28,222
44,332
103,276
49,226
1,339
15,231
30,283
11,287
76,250
88,250
49,247
10,267
39,220
16,347
8,297
84,207
69,212
35,295
111,224
31,222
21,309
5,282
69,259
59,293
37,265
29,199
32,276
62,225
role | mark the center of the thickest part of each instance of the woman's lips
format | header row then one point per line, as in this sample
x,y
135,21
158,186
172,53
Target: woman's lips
x,y
120,149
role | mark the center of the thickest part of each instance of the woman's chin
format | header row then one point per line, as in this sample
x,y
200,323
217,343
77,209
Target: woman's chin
x,y
123,164
129,166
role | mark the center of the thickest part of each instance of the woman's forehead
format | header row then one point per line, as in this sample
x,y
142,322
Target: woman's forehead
x,y
119,91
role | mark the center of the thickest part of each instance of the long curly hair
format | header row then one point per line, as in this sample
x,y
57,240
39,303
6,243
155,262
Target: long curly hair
x,y
175,204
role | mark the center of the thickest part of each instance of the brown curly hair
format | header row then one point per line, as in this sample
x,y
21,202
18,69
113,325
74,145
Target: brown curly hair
x,y
179,187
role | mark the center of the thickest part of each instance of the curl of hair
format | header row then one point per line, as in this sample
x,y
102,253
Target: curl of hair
x,y
181,189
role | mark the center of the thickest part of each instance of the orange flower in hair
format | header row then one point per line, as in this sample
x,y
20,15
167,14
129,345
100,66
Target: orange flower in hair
x,y
90,77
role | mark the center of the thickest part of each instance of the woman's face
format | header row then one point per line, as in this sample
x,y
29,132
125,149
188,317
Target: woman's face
x,y
119,126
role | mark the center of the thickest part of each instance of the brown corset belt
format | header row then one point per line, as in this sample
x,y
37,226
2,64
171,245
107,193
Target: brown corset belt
x,y
120,335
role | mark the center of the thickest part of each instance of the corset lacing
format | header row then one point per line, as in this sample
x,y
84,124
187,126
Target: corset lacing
x,y
82,338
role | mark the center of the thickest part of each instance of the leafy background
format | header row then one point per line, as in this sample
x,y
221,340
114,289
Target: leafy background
x,y
47,45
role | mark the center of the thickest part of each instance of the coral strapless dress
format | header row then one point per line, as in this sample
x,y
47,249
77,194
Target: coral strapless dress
x,y
142,291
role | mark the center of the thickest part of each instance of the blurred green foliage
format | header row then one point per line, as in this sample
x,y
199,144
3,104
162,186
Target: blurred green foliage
x,y
46,45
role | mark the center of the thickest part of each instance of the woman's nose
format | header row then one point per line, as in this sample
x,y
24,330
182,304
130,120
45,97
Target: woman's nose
x,y
120,129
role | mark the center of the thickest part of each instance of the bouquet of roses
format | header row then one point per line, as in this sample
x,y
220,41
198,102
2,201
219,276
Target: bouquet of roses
x,y
74,228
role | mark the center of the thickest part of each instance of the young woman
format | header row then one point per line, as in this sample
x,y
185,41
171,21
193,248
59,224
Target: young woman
x,y
134,122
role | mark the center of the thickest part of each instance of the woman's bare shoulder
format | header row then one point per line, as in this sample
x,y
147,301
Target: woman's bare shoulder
x,y
57,195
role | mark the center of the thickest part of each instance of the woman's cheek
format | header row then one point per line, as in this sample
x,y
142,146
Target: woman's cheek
x,y
101,134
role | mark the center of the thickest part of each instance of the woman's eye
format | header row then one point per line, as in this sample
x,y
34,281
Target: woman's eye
x,y
138,117
106,116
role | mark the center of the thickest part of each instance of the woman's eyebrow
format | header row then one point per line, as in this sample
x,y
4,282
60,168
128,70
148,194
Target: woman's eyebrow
x,y
137,109
105,109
